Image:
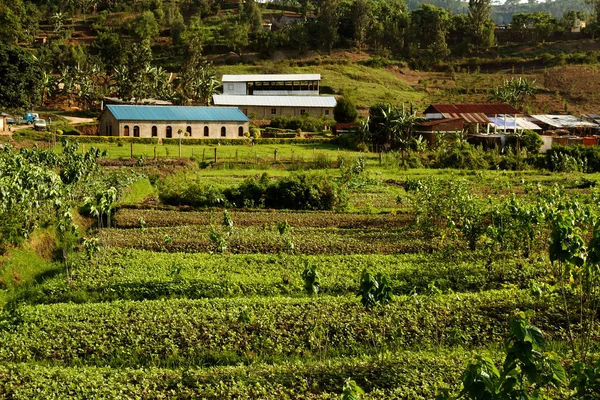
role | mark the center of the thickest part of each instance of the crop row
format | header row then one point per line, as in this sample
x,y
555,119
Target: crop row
x,y
140,274
268,240
243,330
130,218
402,375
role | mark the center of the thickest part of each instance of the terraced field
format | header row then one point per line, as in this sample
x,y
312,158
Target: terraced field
x,y
162,311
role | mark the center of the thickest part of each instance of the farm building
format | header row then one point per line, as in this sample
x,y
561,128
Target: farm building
x,y
471,113
267,107
564,124
167,121
265,96
271,84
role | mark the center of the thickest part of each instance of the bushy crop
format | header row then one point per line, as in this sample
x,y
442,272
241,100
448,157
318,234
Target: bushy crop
x,y
211,332
265,239
137,275
407,375
128,218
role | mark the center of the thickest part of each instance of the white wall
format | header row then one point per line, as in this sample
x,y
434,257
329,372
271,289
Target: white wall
x,y
238,88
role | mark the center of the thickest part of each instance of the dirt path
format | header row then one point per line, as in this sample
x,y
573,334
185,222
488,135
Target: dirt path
x,y
78,120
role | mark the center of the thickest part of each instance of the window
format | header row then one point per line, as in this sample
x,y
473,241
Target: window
x,y
223,131
126,130
154,131
241,131
326,112
188,131
169,132
273,111
206,131
302,112
136,131
245,111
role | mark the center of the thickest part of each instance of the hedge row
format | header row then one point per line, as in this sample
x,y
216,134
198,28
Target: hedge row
x,y
137,275
179,332
194,142
402,375
130,218
257,239
225,142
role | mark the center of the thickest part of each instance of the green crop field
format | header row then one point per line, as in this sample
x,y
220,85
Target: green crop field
x,y
397,279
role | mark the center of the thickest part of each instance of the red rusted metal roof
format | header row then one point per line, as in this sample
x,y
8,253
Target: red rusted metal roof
x,y
480,118
434,122
487,109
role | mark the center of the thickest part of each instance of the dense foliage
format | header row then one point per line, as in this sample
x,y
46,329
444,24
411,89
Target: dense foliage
x,y
298,191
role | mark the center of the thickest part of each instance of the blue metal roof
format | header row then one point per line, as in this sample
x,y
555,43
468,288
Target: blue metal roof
x,y
176,113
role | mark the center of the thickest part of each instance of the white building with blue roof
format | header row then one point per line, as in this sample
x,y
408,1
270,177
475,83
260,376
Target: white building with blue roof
x,y
169,121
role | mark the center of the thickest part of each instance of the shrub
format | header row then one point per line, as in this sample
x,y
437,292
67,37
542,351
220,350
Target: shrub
x,y
305,191
530,141
187,189
466,157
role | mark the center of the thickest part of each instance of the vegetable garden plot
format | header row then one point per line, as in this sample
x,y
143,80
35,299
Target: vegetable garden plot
x,y
130,218
268,240
139,274
406,374
230,331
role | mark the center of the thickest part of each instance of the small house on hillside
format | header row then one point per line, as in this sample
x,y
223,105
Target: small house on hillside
x,y
166,121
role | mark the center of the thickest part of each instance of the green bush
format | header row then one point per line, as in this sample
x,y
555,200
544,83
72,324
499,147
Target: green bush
x,y
530,141
188,189
305,123
573,158
296,192
466,157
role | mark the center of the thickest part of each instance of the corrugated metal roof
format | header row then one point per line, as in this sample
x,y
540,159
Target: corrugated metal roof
x,y
509,122
176,113
274,101
271,77
487,109
480,118
564,121
434,122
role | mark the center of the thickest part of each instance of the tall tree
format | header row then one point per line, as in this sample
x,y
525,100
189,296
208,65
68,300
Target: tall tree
x,y
481,26
250,13
429,27
145,26
236,35
328,21
20,78
361,17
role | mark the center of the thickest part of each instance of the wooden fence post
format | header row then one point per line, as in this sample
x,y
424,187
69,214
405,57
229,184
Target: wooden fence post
x,y
155,152
203,151
292,155
215,155
130,149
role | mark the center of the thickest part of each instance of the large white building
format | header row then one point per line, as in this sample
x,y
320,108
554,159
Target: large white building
x,y
265,96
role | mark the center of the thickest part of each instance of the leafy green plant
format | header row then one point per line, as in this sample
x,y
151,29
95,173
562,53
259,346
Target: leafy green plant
x,y
375,290
527,371
312,280
351,391
576,267
220,239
